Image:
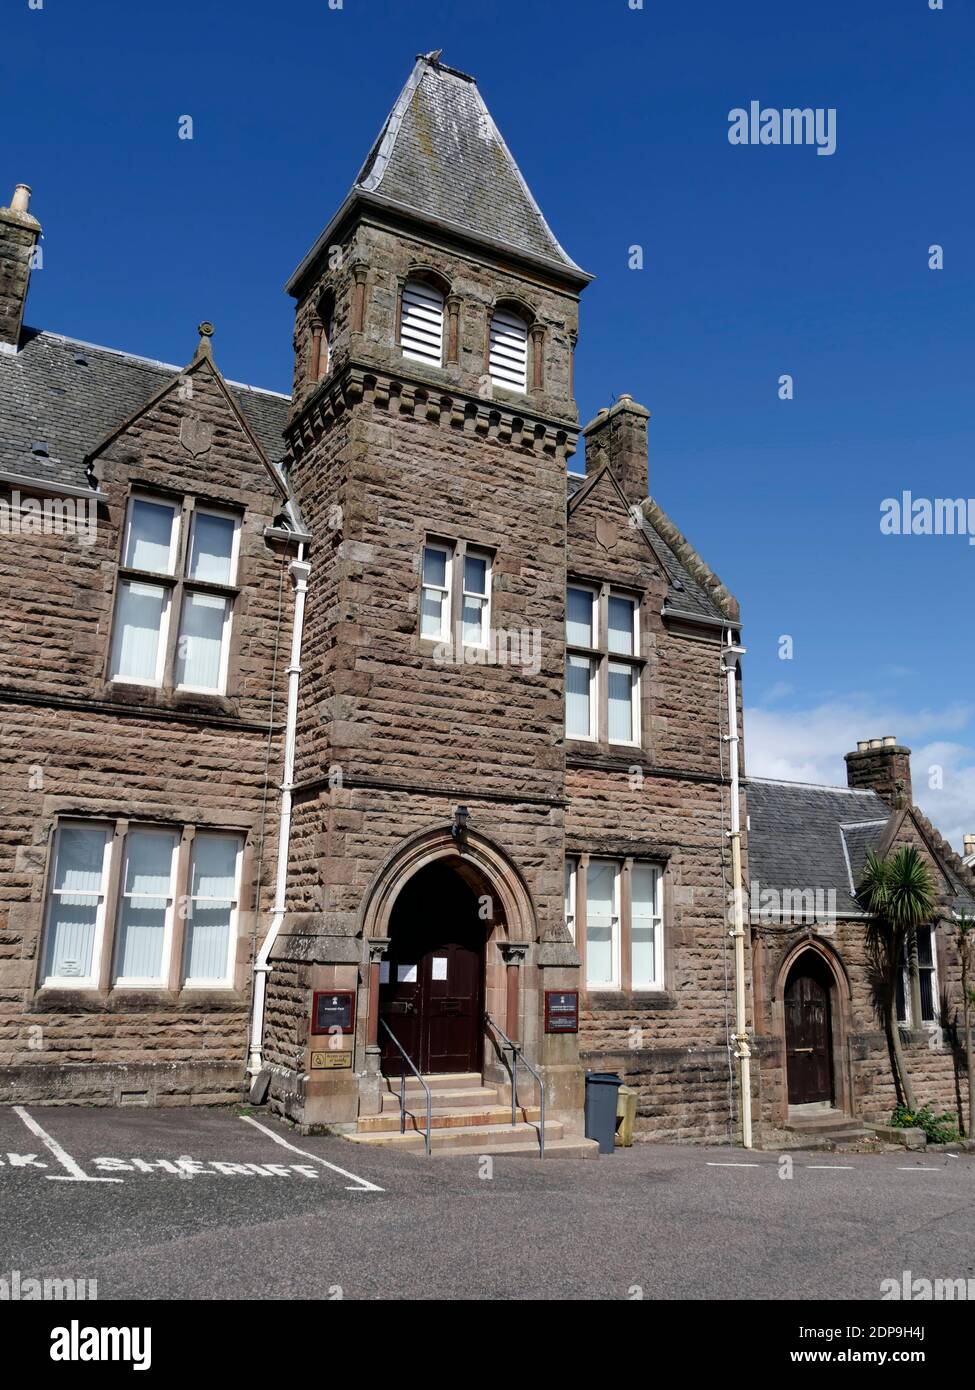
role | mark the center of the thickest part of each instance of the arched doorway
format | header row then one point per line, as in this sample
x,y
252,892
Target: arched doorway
x,y
809,1031
431,992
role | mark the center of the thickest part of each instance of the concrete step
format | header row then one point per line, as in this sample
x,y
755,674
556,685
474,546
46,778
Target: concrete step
x,y
486,1138
457,1117
443,1099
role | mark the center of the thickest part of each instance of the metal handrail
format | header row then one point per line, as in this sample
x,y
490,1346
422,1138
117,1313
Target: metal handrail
x,y
402,1088
516,1052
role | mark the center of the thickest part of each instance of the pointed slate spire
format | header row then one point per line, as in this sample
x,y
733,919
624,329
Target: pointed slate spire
x,y
441,158
440,155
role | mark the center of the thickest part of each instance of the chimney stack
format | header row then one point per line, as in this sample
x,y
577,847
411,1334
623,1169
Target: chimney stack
x,y
618,436
968,850
884,766
19,233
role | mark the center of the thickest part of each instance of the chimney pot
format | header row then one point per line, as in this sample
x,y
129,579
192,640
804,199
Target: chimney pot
x,y
969,842
20,202
881,765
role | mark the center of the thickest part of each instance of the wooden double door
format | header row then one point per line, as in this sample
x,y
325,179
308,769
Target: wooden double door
x,y
431,992
808,1032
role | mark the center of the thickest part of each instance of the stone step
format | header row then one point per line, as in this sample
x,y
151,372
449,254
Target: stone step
x,y
567,1147
441,1080
849,1136
458,1117
443,1099
828,1121
485,1138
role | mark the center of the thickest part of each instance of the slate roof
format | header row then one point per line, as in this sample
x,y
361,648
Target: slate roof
x,y
801,836
440,157
69,395
685,594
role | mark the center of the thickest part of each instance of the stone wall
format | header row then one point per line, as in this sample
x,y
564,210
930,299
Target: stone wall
x,y
74,744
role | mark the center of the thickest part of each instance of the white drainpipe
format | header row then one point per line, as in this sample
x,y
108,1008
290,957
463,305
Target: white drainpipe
x,y
299,569
743,1051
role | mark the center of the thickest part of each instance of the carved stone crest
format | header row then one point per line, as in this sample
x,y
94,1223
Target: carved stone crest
x,y
606,533
195,435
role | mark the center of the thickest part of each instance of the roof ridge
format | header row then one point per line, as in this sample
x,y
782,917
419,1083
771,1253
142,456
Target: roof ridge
x,y
691,559
171,367
814,786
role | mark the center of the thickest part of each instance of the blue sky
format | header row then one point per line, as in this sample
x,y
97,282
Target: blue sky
x,y
758,261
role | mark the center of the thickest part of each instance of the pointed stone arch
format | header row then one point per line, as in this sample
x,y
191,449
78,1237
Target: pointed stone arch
x,y
841,994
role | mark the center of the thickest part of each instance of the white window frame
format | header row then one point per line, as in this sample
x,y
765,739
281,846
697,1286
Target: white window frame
x,y
195,586
228,615
165,617
447,550
571,889
235,519
908,1018
615,934
498,360
635,739
593,615
152,501
657,920
593,664
476,553
136,981
227,982
634,603
428,294
89,981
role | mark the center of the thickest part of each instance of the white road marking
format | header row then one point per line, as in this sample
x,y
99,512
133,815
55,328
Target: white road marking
x,y
844,1167
76,1172
919,1168
737,1165
361,1184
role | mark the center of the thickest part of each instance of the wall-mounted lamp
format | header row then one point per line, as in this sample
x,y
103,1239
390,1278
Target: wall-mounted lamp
x,y
459,827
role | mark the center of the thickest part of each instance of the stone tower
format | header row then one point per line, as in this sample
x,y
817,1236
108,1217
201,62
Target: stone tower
x,y
432,419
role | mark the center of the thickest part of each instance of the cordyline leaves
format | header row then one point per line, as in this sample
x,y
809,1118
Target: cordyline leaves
x,y
898,890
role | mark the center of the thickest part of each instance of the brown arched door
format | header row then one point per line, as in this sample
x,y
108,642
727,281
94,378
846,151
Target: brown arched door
x,y
431,992
808,1031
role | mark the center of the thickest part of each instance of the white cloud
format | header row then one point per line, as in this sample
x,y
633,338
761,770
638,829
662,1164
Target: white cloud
x,y
807,745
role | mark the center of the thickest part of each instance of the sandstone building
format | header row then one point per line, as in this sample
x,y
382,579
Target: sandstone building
x,y
356,724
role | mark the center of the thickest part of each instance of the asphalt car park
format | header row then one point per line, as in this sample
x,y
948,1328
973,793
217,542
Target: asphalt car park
x,y
214,1203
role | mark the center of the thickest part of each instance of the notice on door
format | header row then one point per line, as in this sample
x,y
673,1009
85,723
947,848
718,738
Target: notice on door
x,y
438,968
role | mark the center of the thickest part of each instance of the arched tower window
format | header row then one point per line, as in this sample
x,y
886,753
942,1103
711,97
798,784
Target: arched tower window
x,y
508,350
421,331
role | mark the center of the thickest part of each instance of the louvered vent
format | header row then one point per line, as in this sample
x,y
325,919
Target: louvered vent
x,y
509,351
421,323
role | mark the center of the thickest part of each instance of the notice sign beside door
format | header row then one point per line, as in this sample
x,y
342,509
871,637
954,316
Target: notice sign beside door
x,y
333,1010
561,1011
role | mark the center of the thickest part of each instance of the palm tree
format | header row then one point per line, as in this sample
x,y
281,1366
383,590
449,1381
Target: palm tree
x,y
899,894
